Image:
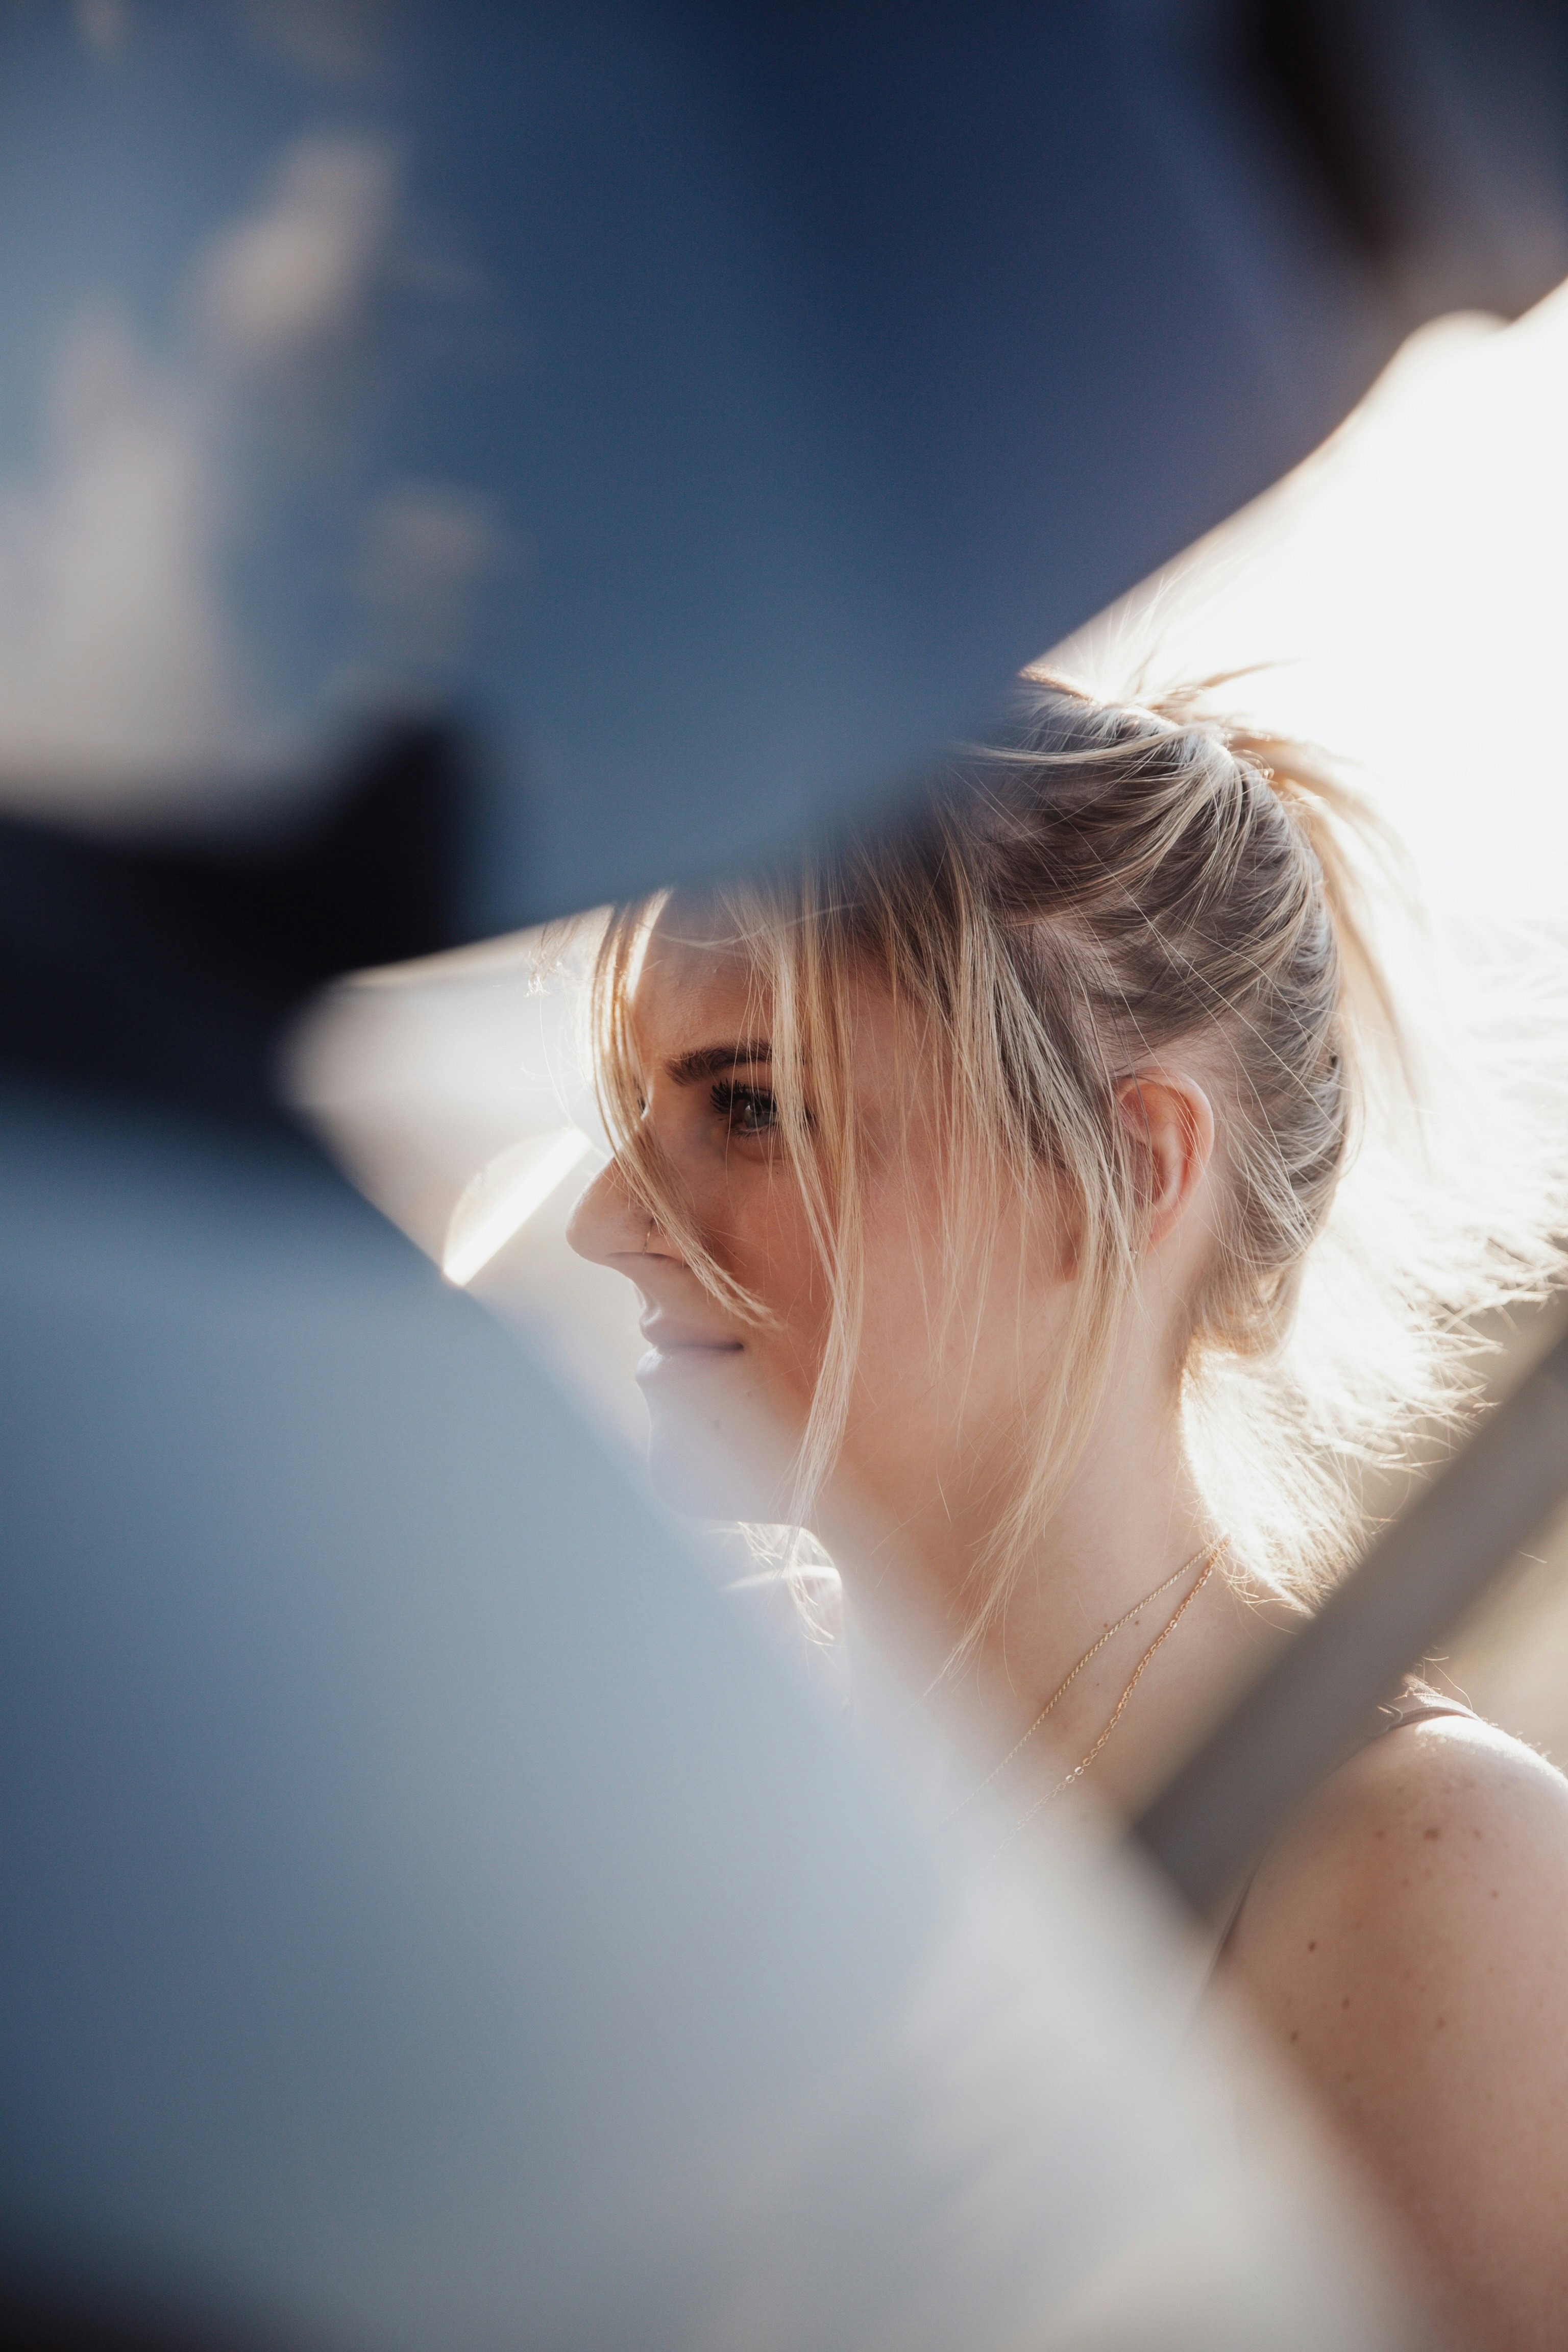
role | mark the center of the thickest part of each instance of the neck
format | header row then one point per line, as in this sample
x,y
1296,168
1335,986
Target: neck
x,y
1132,1515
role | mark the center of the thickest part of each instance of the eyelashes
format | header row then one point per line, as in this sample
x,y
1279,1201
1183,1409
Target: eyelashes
x,y
749,1110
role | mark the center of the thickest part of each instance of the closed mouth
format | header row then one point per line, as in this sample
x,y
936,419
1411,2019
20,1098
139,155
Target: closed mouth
x,y
668,1349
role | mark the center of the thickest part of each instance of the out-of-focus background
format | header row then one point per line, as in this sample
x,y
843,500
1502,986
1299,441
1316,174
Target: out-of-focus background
x,y
459,464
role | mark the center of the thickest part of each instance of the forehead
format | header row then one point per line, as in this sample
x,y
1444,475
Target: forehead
x,y
696,976
699,986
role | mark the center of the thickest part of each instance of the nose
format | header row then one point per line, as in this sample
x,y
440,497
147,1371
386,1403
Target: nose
x,y
609,1222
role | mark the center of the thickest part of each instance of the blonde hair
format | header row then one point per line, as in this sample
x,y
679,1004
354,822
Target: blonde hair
x,y
1118,880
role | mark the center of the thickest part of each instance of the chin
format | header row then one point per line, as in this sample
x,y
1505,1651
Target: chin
x,y
714,1452
698,1487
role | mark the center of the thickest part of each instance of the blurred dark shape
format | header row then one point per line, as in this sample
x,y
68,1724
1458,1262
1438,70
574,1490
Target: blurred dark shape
x,y
1434,133
168,968
38,2315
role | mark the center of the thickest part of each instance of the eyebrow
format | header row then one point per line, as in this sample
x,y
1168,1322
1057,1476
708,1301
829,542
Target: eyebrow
x,y
713,1061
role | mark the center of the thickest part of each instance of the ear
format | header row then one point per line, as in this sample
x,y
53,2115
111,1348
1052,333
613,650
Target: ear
x,y
1172,1119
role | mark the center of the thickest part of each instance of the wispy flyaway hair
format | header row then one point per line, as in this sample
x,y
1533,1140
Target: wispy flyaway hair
x,y
1116,884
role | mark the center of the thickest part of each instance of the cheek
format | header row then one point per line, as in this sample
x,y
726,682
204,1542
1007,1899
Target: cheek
x,y
953,1356
769,1248
904,1349
904,1336
724,1430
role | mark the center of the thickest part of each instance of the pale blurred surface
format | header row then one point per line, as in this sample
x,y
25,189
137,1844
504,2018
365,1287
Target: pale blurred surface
x,y
423,1078
1400,598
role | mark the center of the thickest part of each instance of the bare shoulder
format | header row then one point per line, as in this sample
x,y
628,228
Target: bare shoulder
x,y
1445,1829
1408,1939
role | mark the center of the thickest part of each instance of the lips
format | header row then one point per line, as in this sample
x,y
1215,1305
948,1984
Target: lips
x,y
675,1348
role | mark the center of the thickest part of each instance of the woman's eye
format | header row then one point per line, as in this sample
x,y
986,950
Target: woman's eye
x,y
749,1110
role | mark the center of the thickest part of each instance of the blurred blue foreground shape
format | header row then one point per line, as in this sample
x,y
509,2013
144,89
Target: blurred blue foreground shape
x,y
429,1922
417,1892
717,405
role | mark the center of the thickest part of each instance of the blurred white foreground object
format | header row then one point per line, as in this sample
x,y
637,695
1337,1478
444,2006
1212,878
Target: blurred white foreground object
x,y
496,1204
440,1088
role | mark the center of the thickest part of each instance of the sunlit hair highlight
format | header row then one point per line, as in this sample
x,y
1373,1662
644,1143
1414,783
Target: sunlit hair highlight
x,y
1117,884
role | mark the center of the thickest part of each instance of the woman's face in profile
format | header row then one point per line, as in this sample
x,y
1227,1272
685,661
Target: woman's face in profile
x,y
943,1376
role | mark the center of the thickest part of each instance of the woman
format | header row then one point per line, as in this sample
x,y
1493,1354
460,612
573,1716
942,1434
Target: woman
x,y
971,1179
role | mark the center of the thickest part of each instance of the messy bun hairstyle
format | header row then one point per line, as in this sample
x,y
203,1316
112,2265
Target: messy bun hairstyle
x,y
1115,882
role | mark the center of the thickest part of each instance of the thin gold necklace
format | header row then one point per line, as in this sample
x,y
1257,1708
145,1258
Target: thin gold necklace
x,y
1116,1712
1206,1559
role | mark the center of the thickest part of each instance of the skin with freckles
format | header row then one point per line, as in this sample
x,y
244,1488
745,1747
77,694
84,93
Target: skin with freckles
x,y
1406,1941
1408,1938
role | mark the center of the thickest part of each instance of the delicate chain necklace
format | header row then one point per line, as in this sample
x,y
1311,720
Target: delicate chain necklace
x,y
1203,1560
1134,1680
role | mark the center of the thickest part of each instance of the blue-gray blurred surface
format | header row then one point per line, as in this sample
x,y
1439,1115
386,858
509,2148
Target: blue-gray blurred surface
x,y
432,1926
422,1902
717,404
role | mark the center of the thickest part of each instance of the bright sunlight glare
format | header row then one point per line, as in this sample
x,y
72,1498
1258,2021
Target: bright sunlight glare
x,y
1401,593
